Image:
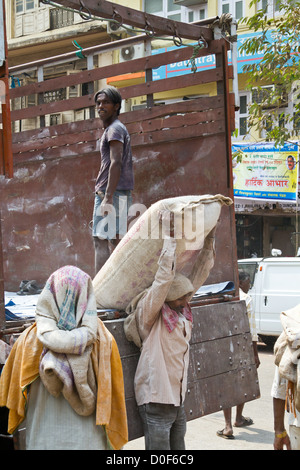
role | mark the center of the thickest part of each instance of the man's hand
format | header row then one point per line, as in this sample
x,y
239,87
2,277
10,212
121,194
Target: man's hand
x,y
106,205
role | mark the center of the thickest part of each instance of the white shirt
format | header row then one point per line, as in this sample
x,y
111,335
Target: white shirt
x,y
161,375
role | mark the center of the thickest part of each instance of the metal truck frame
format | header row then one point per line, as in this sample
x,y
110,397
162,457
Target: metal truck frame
x,y
181,148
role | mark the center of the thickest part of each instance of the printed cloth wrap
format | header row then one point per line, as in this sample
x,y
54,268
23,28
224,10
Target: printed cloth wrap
x,y
32,357
66,319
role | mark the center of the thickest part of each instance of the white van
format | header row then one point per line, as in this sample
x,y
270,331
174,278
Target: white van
x,y
275,286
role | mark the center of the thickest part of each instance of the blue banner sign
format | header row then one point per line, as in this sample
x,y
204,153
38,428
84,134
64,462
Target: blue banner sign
x,y
208,62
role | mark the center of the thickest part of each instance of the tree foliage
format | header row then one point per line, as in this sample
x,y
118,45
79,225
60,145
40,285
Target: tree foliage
x,y
279,39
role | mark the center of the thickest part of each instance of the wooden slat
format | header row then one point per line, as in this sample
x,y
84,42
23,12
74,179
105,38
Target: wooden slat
x,y
139,19
199,104
58,141
72,139
84,135
52,108
132,66
173,83
169,135
76,150
90,147
175,121
203,103
159,86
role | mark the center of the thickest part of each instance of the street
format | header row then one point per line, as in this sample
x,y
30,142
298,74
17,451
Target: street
x,y
201,433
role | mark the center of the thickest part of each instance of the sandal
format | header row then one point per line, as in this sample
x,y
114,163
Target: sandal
x,y
225,436
246,422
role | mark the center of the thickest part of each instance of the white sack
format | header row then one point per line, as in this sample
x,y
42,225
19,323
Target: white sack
x,y
132,266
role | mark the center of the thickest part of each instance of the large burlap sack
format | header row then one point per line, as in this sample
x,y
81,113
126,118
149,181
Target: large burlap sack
x,y
132,266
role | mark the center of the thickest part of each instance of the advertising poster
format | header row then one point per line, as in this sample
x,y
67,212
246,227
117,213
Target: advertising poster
x,y
266,172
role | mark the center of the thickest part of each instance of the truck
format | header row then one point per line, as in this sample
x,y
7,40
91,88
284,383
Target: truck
x,y
275,287
181,147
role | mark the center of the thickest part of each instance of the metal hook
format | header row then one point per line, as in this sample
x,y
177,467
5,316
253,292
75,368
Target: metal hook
x,y
202,42
83,15
115,16
177,41
176,38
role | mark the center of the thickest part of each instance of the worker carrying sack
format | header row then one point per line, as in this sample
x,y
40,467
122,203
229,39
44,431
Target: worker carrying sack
x,y
132,266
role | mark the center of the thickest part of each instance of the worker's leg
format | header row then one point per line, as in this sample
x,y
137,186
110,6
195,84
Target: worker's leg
x,y
227,431
157,422
102,252
109,228
178,430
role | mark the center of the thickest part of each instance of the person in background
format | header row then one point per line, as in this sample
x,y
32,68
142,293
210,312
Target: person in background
x,y
240,420
115,179
64,373
285,389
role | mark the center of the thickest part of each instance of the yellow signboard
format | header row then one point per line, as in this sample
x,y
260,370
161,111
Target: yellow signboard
x,y
266,172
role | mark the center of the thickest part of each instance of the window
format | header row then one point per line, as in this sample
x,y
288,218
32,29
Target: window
x,y
296,121
234,7
168,9
30,18
271,6
242,115
23,6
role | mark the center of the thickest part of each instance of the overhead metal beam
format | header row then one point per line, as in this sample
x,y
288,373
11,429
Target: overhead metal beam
x,y
154,25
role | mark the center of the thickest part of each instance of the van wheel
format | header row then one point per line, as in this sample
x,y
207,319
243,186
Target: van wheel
x,y
268,340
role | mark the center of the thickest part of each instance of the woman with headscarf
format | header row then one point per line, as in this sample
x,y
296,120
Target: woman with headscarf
x,y
64,372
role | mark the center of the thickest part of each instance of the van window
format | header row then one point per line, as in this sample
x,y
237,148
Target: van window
x,y
250,269
274,276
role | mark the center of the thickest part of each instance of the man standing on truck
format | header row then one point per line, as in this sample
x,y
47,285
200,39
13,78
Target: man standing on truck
x,y
114,182
160,322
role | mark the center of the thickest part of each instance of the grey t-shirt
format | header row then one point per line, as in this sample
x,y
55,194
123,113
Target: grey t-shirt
x,y
116,131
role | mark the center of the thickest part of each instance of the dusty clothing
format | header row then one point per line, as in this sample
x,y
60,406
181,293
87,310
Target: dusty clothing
x,y
251,316
161,376
52,417
166,383
116,131
164,425
67,323
108,226
279,391
287,350
66,320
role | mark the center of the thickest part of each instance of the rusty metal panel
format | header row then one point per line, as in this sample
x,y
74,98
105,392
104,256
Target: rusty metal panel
x,y
179,149
221,354
47,206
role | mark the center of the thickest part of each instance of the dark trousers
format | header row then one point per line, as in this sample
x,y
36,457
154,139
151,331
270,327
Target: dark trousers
x,y
164,426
